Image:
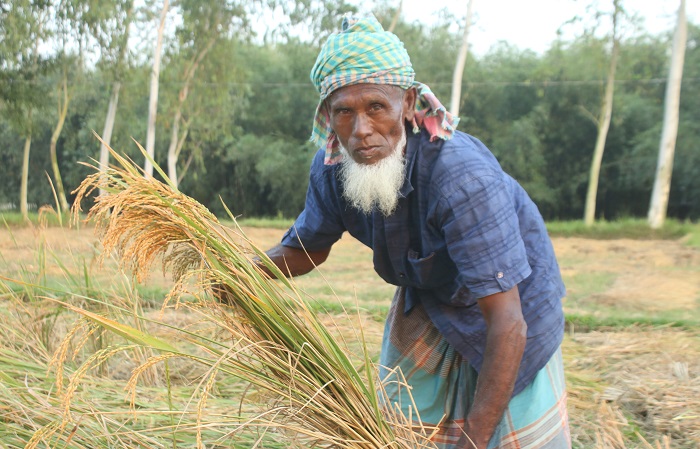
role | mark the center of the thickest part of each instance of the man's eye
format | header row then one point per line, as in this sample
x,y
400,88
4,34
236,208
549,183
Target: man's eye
x,y
376,106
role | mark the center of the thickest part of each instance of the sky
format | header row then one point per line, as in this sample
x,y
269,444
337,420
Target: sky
x,y
533,24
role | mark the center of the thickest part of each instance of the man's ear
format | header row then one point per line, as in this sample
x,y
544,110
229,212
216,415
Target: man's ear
x,y
409,104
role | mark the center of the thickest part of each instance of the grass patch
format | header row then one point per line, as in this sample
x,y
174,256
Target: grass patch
x,y
586,323
263,222
15,220
693,238
586,284
377,312
630,228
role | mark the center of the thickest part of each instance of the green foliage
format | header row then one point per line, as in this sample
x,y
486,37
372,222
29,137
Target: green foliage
x,y
249,110
283,100
268,176
23,29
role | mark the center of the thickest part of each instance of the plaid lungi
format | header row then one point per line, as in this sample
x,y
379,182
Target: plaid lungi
x,y
443,385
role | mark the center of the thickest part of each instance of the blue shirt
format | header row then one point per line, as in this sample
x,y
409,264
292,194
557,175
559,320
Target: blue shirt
x,y
463,229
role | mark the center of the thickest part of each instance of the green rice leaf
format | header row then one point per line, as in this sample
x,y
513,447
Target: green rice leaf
x,y
130,333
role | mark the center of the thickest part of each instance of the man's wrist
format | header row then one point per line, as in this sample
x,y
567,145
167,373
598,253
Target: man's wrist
x,y
476,438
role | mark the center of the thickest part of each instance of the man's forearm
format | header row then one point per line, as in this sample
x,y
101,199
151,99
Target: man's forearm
x,y
293,261
504,350
505,344
290,261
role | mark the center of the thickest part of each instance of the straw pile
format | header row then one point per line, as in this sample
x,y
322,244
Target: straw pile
x,y
314,392
653,383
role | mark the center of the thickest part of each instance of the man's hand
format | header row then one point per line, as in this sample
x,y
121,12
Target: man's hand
x,y
223,294
291,261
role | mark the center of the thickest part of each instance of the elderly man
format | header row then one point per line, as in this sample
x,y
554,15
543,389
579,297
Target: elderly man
x,y
476,322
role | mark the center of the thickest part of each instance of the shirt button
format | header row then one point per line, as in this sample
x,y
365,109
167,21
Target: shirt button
x,y
499,275
402,275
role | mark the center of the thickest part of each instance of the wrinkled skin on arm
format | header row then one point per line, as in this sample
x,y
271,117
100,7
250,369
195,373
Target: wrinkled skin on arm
x,y
505,343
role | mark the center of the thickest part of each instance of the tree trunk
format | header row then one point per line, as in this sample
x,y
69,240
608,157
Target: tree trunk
x,y
25,178
62,112
181,176
395,20
109,127
24,183
178,149
175,141
603,126
172,149
458,73
662,184
153,98
114,97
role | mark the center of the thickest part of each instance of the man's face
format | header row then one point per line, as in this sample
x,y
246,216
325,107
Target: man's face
x,y
369,119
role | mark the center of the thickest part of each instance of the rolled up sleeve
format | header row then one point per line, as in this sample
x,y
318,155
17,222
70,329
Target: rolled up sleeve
x,y
482,233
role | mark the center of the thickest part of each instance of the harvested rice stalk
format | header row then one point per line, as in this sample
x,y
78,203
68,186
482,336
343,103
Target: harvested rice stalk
x,y
281,345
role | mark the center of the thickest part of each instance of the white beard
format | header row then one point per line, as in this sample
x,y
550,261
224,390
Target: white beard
x,y
367,187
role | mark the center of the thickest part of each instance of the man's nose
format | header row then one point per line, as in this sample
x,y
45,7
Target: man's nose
x,y
362,126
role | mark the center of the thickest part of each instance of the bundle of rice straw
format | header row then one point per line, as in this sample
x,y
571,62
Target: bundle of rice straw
x,y
281,346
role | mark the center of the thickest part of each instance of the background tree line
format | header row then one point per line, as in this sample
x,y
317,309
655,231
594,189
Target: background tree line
x,y
234,108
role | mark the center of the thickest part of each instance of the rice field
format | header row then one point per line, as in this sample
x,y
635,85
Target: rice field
x,y
632,349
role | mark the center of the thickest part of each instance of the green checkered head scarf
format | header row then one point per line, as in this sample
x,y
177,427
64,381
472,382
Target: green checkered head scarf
x,y
362,52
